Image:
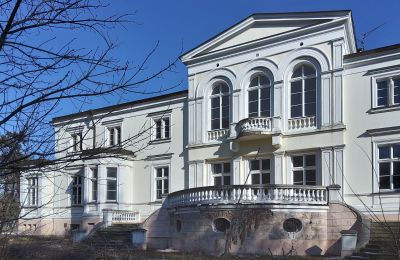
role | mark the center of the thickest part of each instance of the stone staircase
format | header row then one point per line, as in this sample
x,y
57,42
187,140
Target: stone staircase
x,y
117,236
381,245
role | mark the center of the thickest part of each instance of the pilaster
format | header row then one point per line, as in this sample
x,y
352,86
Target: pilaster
x,y
326,166
236,172
277,176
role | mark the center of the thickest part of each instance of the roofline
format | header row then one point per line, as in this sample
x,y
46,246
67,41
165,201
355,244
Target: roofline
x,y
263,14
119,106
373,51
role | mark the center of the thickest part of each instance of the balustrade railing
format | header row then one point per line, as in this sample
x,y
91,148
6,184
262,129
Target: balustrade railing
x,y
215,135
255,124
111,216
301,123
267,194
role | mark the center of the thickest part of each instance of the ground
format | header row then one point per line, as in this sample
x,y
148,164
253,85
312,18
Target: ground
x,y
63,249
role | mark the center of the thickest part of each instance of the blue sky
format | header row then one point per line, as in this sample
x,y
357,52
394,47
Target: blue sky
x,y
180,25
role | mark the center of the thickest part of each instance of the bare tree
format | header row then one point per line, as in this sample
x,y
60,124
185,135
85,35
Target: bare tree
x,y
41,71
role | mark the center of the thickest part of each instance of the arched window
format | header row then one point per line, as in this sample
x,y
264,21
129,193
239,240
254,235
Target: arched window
x,y
303,91
220,106
260,97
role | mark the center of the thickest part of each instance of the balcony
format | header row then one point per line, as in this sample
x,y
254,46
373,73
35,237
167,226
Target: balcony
x,y
250,194
302,123
255,125
217,135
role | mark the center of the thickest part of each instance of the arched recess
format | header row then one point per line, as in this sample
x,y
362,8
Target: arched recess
x,y
320,62
203,93
260,66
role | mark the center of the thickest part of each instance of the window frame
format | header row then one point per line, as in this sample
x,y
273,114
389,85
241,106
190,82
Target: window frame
x,y
221,174
163,128
220,96
32,187
304,168
76,142
259,87
77,199
260,171
303,78
112,179
114,135
94,195
163,180
390,97
391,160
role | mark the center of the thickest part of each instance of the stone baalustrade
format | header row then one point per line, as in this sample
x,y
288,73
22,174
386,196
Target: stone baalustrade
x,y
254,219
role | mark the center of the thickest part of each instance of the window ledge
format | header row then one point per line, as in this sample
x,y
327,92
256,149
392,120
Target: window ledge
x,y
30,207
376,110
160,141
111,201
387,192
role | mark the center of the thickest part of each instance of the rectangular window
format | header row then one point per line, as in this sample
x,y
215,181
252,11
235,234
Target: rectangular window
x,y
32,191
304,170
162,128
388,92
76,190
221,173
389,166
94,183
112,184
162,184
260,171
114,136
76,142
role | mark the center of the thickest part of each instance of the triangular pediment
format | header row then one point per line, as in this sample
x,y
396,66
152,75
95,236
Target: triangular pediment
x,y
263,26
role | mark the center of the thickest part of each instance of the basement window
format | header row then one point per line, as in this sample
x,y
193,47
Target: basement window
x,y
221,224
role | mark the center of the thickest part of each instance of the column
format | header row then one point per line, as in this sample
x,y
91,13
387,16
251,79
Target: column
x,y
326,167
236,180
278,170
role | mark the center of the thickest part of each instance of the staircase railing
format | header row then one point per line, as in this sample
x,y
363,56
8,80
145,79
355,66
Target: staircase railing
x,y
112,216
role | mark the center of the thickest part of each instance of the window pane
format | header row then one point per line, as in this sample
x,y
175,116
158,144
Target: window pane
x,y
224,89
396,181
264,80
217,168
296,87
254,165
310,160
308,70
111,185
384,152
310,85
225,101
266,164
112,172
216,90
227,167
225,112
255,179
159,184
217,181
227,180
298,177
166,186
396,151
111,195
384,169
253,95
225,123
297,161
296,111
296,99
265,93
396,91
215,113
382,87
265,113
396,168
297,72
265,105
310,176
214,102
265,179
215,124
384,182
253,108
310,109
166,172
254,82
158,129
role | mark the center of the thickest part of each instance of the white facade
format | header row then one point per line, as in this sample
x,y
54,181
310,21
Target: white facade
x,y
275,99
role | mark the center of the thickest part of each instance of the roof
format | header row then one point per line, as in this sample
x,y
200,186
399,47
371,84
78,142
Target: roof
x,y
121,106
373,51
270,15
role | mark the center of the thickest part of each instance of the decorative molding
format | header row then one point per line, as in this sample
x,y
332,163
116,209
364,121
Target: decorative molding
x,y
158,113
159,157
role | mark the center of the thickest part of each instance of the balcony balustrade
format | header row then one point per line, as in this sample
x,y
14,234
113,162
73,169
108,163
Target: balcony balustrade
x,y
216,135
301,123
256,125
250,194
